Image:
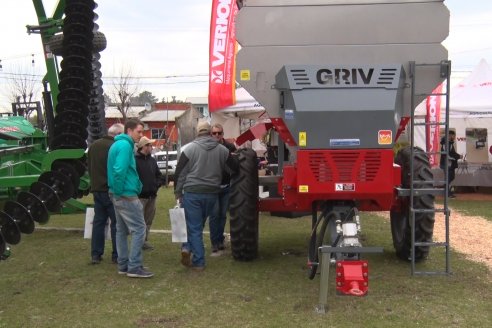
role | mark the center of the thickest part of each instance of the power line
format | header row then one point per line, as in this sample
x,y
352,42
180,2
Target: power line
x,y
471,50
21,74
119,77
168,83
19,56
131,83
161,77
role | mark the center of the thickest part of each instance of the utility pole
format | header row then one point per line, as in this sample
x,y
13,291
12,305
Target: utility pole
x,y
166,143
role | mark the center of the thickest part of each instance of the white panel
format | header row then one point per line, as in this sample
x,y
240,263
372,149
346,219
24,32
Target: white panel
x,y
259,3
342,24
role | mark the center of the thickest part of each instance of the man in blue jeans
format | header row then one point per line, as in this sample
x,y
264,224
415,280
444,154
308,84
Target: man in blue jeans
x,y
97,158
217,220
198,177
124,188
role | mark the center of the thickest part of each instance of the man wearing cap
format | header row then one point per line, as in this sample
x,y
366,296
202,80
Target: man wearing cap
x,y
151,178
198,179
124,188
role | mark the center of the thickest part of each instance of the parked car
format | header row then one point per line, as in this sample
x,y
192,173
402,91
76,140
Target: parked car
x,y
169,159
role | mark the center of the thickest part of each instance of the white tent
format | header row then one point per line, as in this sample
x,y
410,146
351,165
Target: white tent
x,y
470,116
237,118
472,97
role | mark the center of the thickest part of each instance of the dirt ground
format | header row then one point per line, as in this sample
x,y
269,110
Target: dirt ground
x,y
469,235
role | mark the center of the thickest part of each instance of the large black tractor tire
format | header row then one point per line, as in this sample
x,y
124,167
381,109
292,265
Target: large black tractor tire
x,y
243,207
56,43
401,221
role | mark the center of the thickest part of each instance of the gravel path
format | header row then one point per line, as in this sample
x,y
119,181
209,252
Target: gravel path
x,y
469,235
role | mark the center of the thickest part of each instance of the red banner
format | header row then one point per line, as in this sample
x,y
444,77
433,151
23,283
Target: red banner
x,y
433,115
222,67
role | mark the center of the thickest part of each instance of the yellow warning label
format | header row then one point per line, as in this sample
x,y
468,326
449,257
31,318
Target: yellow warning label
x,y
245,75
303,188
302,139
385,137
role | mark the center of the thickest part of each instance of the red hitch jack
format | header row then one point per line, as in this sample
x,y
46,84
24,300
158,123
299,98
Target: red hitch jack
x,y
352,276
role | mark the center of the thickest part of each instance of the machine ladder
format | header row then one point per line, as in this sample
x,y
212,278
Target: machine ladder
x,y
418,188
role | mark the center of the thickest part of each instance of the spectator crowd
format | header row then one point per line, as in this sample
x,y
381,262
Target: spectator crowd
x,y
125,180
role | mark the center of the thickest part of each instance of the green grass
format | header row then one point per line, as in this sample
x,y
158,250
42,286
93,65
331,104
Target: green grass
x,y
481,208
473,207
48,282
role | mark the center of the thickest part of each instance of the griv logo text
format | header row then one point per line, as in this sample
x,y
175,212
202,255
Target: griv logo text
x,y
344,76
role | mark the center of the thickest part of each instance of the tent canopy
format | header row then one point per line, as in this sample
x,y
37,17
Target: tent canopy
x,y
237,117
473,95
246,106
470,116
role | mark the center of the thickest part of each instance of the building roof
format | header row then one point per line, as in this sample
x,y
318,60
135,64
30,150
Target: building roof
x,y
162,116
113,112
197,100
5,111
171,106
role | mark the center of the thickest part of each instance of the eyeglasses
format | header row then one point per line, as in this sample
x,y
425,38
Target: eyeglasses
x,y
217,133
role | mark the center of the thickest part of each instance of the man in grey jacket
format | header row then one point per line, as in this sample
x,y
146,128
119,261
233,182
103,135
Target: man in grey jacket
x,y
198,177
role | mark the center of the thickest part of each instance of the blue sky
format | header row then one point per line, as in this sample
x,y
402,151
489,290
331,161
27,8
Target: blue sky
x,y
158,39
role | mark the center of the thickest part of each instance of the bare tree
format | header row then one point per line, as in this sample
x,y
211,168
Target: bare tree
x,y
23,88
124,88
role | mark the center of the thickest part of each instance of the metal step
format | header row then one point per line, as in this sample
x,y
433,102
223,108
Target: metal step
x,y
435,210
431,244
430,94
431,273
429,123
420,191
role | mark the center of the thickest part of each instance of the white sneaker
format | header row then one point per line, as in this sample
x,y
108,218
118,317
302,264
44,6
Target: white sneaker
x,y
216,253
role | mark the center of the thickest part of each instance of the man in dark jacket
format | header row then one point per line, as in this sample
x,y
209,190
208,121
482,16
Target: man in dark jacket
x,y
453,158
151,178
218,219
97,157
198,178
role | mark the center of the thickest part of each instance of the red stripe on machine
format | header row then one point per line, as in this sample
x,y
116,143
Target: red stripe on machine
x,y
433,115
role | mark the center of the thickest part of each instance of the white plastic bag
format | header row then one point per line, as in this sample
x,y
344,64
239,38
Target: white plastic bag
x,y
178,224
89,218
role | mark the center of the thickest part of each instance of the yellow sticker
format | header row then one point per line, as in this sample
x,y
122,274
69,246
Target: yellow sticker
x,y
385,137
302,139
303,188
245,75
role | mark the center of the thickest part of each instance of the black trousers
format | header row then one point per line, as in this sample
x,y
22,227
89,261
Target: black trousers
x,y
451,176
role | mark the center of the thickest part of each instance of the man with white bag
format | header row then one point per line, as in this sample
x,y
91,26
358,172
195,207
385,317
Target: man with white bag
x,y
198,178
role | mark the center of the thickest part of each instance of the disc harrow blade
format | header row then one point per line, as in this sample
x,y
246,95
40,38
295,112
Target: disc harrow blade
x,y
21,216
35,206
9,229
47,195
60,183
